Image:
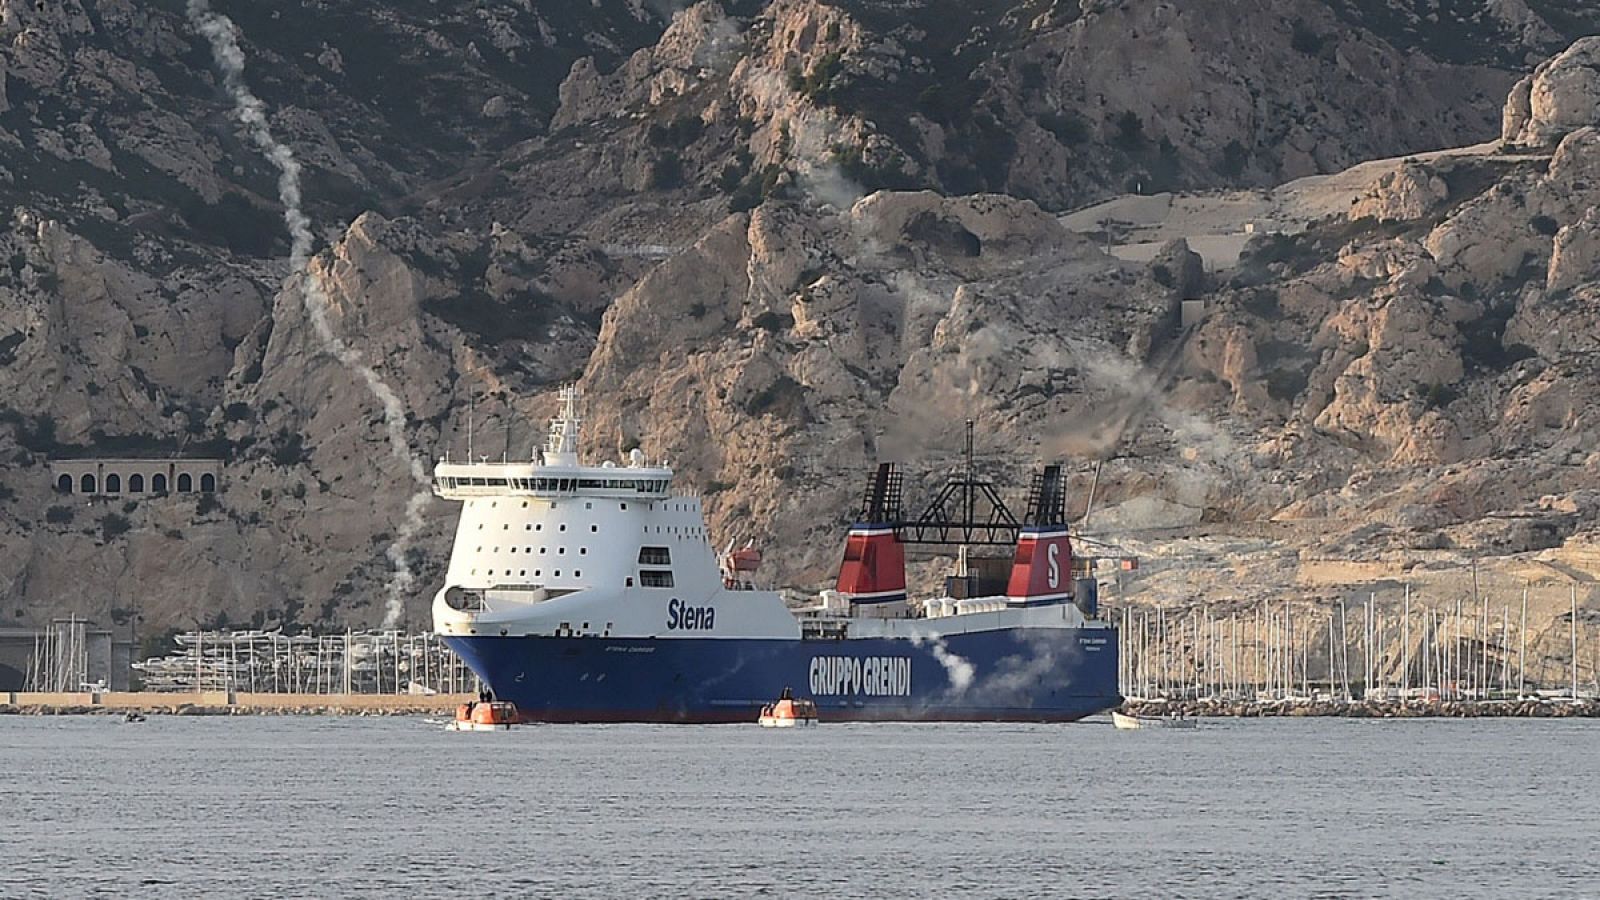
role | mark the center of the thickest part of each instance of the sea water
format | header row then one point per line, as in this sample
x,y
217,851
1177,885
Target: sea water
x,y
303,806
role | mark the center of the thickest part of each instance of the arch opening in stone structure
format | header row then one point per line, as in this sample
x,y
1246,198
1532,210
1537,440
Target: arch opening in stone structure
x,y
113,483
86,484
158,483
185,483
136,483
64,484
208,482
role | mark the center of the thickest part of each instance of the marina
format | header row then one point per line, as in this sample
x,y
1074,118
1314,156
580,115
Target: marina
x,y
1323,658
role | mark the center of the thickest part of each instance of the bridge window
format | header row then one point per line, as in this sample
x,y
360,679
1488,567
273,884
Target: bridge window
x,y
653,578
208,482
86,484
136,483
113,483
655,556
158,483
185,483
64,484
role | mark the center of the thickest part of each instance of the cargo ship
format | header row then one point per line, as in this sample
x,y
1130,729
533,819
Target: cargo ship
x,y
595,593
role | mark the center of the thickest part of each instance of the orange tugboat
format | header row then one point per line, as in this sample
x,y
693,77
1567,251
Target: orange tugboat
x,y
484,715
788,712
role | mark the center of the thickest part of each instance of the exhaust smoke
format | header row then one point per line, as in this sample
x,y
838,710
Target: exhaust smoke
x,y
219,31
956,667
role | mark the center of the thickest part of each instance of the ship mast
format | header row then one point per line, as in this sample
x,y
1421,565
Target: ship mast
x,y
561,447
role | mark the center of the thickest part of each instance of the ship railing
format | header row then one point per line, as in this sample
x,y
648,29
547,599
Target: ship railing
x,y
824,629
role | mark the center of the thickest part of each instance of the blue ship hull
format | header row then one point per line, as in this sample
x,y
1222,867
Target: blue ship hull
x,y
1008,675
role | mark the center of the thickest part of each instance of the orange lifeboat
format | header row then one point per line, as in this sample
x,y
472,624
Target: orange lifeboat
x,y
788,712
484,715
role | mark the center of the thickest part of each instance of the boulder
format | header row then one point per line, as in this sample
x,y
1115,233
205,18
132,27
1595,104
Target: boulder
x,y
1408,193
1562,94
1576,253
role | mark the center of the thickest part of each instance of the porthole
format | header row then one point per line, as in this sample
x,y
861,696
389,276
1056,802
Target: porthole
x,y
513,549
537,572
576,574
588,506
544,549
583,551
558,573
539,527
523,573
563,526
527,527
506,527
524,504
561,551
594,529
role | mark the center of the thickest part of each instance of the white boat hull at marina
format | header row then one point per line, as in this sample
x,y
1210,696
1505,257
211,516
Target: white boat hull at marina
x,y
1125,722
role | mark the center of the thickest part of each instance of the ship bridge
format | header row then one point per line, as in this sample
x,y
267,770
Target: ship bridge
x,y
465,481
557,473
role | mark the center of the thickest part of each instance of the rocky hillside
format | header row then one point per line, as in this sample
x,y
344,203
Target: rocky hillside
x,y
820,233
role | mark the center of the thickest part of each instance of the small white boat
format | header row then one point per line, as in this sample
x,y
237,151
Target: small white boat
x,y
1126,722
788,712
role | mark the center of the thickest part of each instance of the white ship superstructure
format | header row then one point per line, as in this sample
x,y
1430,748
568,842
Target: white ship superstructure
x,y
557,548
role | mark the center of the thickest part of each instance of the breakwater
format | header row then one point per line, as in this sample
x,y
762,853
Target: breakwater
x,y
1373,709
224,703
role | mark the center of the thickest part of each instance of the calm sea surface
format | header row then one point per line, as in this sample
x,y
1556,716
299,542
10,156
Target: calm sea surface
x,y
186,807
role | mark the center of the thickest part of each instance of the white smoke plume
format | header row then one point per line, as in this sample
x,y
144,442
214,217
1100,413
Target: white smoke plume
x,y
219,30
957,668
1017,677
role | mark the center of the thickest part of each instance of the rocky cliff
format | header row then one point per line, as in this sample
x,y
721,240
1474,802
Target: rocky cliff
x,y
776,242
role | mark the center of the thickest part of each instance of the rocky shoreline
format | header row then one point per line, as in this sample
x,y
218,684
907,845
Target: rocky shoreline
x,y
1522,709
